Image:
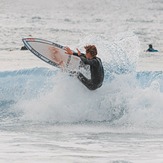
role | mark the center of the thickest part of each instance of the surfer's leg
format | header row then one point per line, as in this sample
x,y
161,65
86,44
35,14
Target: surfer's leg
x,y
86,81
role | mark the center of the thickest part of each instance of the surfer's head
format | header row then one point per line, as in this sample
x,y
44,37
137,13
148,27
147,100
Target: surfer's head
x,y
150,46
91,50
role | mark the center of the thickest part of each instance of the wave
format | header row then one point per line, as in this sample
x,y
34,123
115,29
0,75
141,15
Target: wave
x,y
42,94
127,97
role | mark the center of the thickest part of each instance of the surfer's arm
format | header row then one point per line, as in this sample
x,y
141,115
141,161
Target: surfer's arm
x,y
76,54
92,62
82,56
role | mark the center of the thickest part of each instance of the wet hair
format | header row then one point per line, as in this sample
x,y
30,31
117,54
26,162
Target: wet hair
x,y
91,49
150,46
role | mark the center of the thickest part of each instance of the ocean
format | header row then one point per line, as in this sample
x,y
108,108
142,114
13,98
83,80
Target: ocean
x,y
46,116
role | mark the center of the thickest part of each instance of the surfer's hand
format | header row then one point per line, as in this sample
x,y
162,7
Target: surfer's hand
x,y
79,53
68,51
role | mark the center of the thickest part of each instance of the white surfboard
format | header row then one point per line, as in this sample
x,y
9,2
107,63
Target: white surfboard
x,y
52,53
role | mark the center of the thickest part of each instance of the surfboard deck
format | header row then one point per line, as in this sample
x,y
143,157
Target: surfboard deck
x,y
52,53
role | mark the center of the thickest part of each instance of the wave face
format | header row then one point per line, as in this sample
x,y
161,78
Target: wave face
x,y
41,94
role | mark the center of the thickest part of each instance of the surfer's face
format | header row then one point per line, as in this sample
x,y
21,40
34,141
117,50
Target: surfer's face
x,y
89,56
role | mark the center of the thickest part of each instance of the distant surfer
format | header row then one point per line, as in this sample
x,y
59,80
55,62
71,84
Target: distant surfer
x,y
150,49
96,67
23,48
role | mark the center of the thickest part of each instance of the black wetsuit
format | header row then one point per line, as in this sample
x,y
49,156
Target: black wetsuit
x,y
151,50
97,72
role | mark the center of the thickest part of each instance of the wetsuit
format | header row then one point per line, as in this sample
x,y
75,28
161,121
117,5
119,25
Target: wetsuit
x,y
97,72
151,50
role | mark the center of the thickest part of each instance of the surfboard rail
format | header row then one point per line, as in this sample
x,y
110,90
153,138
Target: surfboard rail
x,y
43,49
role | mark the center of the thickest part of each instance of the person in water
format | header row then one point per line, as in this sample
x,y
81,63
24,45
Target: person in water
x,y
150,49
96,67
23,48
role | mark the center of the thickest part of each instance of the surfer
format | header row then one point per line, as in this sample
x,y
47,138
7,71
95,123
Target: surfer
x,y
96,67
150,49
23,48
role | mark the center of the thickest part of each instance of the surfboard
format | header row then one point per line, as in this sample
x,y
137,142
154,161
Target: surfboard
x,y
52,53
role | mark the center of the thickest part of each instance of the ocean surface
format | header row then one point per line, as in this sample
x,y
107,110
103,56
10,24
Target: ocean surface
x,y
46,116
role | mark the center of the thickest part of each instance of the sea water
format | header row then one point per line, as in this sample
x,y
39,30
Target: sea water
x,y
48,116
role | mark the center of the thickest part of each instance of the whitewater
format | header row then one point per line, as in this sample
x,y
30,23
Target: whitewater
x,y
48,116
